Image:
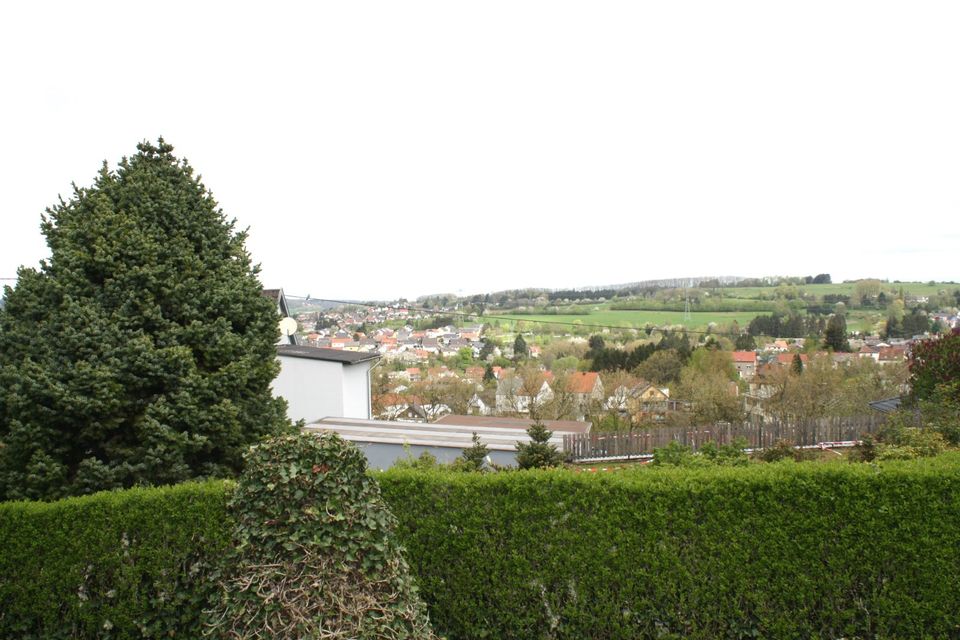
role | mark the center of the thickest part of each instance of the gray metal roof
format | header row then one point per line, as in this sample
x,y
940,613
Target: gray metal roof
x,y
887,405
329,355
430,435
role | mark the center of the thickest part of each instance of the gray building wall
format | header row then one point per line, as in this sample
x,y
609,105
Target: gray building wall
x,y
383,456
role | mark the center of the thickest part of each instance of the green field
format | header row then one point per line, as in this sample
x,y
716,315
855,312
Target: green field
x,y
637,319
865,320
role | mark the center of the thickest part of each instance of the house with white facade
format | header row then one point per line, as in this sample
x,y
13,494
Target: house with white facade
x,y
514,395
321,383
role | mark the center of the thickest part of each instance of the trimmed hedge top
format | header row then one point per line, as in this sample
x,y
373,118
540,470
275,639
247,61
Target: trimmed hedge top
x,y
122,564
780,550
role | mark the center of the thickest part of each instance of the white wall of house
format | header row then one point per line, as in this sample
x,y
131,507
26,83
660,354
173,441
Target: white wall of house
x,y
356,390
316,389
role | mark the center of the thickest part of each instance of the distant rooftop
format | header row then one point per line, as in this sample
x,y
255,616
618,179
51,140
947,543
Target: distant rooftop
x,y
887,405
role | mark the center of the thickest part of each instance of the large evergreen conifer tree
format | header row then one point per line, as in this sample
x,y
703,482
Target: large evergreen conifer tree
x,y
835,336
142,350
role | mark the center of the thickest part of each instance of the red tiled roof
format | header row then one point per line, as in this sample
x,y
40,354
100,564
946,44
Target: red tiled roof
x,y
745,356
893,353
392,399
582,382
787,358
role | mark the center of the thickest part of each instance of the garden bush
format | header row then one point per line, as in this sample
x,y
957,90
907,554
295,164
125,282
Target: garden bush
x,y
897,440
784,450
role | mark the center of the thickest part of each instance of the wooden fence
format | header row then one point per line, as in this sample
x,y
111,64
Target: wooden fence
x,y
759,435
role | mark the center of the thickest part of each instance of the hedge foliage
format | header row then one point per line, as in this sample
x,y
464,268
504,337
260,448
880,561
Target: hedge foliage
x,y
781,550
775,551
124,564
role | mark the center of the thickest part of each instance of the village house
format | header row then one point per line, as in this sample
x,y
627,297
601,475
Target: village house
x,y
587,390
892,355
777,346
514,395
867,351
948,320
786,359
645,400
746,363
476,406
474,374
843,358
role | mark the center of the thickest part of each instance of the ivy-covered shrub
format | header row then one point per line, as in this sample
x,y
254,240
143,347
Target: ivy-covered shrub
x,y
123,564
314,553
757,551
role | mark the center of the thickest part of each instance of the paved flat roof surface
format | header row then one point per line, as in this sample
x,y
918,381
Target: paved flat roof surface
x,y
425,434
564,426
329,355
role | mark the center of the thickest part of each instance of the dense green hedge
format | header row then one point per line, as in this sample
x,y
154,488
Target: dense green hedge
x,y
125,564
780,550
773,551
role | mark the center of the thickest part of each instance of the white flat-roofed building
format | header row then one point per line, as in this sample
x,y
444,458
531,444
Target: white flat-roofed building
x,y
386,442
320,383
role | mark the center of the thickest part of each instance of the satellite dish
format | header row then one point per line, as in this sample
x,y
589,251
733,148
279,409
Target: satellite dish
x,y
288,326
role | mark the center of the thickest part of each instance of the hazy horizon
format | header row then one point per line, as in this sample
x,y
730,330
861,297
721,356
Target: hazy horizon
x,y
385,150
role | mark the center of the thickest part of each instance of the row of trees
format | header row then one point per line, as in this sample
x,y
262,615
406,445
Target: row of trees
x,y
787,325
603,358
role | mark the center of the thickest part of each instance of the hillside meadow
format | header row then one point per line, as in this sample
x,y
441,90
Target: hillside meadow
x,y
863,320
638,319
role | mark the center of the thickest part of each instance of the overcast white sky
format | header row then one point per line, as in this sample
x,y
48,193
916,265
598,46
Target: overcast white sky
x,y
402,148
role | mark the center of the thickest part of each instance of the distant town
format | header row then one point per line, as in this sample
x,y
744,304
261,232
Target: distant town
x,y
667,352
